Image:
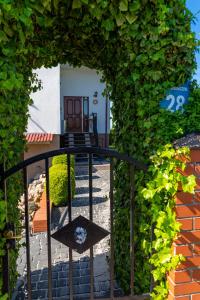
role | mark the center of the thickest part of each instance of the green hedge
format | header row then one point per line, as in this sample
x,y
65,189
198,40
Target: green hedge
x,y
62,159
58,183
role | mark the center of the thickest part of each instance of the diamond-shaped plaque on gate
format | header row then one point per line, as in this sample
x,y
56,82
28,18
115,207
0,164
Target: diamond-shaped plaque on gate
x,y
80,234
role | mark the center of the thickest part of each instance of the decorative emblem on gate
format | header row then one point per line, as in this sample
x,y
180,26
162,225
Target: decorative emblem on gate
x,y
80,234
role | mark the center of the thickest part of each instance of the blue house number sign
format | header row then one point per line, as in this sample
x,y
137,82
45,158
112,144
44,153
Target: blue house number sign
x,y
176,98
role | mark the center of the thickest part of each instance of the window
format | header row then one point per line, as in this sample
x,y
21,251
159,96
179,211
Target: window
x,y
85,106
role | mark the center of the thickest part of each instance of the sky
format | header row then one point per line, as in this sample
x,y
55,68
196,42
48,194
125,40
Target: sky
x,y
194,6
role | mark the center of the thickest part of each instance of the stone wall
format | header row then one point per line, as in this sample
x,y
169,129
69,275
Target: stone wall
x,y
35,191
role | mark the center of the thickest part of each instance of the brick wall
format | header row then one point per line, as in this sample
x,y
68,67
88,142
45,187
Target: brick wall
x,y
184,283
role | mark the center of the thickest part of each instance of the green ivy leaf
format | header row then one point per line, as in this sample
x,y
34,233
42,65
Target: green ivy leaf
x,y
8,30
131,18
3,75
135,5
3,37
7,84
135,76
108,24
154,75
120,20
188,183
8,52
76,4
123,5
47,4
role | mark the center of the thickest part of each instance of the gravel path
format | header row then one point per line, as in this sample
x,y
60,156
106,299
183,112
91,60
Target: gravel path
x,y
60,253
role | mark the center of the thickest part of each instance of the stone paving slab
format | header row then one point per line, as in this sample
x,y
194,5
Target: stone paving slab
x,y
60,253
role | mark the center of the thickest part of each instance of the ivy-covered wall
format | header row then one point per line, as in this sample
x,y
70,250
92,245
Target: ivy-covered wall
x,y
142,47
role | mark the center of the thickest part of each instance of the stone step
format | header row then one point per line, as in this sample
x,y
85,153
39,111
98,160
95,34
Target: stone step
x,y
77,140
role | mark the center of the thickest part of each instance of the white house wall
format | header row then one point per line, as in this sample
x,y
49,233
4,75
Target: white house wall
x,y
45,111
84,82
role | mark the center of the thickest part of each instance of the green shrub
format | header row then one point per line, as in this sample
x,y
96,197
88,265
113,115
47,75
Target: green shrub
x,y
62,159
58,183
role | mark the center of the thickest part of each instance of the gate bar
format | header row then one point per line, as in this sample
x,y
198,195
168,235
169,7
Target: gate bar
x,y
111,233
132,191
27,234
5,271
48,231
73,150
70,219
5,258
91,219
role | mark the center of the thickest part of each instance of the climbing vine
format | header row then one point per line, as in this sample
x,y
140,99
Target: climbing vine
x,y
159,196
141,47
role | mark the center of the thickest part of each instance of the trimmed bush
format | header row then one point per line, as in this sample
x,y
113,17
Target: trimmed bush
x,y
62,159
58,183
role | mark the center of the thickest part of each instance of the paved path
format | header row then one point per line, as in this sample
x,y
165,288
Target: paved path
x,y
60,254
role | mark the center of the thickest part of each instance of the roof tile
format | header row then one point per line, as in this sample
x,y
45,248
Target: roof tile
x,y
39,138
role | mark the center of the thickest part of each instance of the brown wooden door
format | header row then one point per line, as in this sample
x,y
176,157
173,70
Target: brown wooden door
x,y
73,113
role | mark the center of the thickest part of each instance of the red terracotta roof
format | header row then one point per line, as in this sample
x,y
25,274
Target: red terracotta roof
x,y
39,137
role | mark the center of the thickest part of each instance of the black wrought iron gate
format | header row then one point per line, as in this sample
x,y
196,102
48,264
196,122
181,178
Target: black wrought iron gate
x,y
79,234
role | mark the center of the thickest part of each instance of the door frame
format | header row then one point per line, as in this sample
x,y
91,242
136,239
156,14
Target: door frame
x,y
82,111
88,110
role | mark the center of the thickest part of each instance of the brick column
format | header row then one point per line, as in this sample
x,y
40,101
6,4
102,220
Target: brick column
x,y
184,283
